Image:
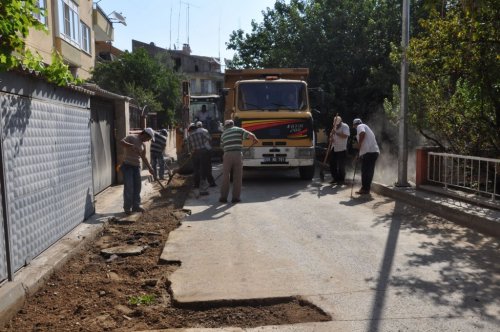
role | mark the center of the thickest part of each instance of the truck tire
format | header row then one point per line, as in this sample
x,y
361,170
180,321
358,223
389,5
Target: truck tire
x,y
306,172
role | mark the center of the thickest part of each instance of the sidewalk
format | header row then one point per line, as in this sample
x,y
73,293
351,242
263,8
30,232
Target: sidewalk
x,y
484,218
29,279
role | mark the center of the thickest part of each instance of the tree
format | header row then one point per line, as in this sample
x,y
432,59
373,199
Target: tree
x,y
150,81
344,43
455,77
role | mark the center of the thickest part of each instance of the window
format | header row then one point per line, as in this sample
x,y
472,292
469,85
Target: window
x,y
194,88
69,22
85,43
205,86
42,15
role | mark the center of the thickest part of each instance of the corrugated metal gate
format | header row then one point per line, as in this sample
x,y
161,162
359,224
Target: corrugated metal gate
x,y
3,249
47,165
103,143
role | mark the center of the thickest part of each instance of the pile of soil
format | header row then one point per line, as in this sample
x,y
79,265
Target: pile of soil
x,y
97,292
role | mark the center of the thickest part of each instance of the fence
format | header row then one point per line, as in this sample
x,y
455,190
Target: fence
x,y
475,174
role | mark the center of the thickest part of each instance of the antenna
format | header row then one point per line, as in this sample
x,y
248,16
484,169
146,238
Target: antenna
x,y
218,41
187,19
179,22
115,17
170,41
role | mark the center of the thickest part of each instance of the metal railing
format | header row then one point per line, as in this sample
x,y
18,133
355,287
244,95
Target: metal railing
x,y
474,174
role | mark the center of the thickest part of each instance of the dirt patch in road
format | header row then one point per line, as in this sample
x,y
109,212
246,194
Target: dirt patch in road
x,y
95,292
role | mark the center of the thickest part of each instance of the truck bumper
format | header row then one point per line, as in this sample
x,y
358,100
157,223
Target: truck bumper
x,y
278,157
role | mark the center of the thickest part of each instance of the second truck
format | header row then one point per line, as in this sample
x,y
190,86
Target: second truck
x,y
274,105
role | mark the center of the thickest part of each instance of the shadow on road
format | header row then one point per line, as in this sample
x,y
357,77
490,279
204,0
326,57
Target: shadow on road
x,y
467,261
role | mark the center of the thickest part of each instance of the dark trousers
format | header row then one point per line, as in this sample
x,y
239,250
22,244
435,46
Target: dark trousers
x,y
131,186
368,161
157,161
337,165
200,169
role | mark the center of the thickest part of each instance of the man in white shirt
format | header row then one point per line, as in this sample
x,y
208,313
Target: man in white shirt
x,y
368,153
338,138
204,116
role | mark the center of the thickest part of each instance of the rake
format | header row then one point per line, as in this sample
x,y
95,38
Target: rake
x,y
354,174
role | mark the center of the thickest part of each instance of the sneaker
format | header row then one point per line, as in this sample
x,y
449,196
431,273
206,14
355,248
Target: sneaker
x,y
222,200
333,182
138,209
128,212
213,184
235,201
203,193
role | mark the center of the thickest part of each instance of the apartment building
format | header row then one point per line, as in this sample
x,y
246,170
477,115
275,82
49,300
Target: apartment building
x,y
73,27
203,72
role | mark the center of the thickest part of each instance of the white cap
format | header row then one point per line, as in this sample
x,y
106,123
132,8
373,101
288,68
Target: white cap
x,y
199,124
228,123
356,121
150,132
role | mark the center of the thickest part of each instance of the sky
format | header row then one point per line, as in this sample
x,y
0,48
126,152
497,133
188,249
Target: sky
x,y
205,24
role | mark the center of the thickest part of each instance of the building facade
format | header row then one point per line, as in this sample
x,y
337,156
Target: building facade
x,y
204,73
73,28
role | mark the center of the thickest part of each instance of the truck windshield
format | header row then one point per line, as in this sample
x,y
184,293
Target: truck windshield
x,y
272,96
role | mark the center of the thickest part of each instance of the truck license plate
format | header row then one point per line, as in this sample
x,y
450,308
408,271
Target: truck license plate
x,y
275,160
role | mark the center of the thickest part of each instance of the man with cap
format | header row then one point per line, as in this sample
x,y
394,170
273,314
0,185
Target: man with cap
x,y
157,149
368,153
208,164
338,138
135,150
198,140
231,142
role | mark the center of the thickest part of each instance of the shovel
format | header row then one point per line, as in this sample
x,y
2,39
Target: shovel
x,y
153,178
322,165
172,173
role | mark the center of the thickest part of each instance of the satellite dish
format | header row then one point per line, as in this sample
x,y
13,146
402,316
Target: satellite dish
x,y
117,18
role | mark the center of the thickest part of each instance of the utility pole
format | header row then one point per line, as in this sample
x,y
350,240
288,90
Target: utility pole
x,y
403,111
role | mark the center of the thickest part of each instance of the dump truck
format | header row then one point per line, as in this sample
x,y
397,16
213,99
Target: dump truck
x,y
273,104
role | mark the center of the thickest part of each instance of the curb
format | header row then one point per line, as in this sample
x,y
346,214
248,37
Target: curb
x,y
474,221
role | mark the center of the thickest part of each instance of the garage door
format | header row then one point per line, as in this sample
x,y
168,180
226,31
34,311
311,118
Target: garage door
x,y
103,143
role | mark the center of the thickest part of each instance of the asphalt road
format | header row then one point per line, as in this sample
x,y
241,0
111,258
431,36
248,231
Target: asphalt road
x,y
372,263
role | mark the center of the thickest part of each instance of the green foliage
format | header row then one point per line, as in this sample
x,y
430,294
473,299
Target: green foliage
x,y
58,72
150,81
16,18
344,43
147,299
454,78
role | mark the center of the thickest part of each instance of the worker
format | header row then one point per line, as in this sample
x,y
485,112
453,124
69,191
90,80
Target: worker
x,y
157,150
232,144
135,150
368,153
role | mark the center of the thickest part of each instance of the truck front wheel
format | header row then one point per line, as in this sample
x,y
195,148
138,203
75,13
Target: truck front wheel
x,y
306,172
